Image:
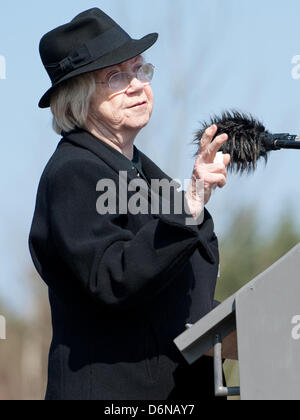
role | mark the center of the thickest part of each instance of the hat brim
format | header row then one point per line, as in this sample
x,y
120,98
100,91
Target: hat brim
x,y
126,52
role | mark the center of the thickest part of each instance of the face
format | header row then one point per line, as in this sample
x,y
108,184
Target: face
x,y
126,110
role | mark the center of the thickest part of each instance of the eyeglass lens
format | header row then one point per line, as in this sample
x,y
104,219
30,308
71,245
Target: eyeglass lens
x,y
120,81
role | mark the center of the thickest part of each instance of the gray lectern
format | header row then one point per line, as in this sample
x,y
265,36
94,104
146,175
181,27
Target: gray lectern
x,y
261,319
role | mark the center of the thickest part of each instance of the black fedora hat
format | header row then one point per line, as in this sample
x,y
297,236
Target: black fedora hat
x,y
91,41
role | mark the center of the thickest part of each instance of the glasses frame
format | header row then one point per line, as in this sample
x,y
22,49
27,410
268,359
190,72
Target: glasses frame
x,y
130,77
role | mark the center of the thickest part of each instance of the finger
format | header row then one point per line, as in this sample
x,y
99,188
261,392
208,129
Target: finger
x,y
213,148
208,135
216,179
216,168
227,159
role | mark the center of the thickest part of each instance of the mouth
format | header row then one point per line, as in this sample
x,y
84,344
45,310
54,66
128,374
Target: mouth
x,y
141,103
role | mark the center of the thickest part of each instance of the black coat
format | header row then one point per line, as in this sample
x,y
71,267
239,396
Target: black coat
x,y
121,287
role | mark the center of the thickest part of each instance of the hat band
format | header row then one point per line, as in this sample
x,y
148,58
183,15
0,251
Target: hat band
x,y
90,51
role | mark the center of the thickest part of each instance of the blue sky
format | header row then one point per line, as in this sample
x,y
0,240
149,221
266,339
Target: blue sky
x,y
211,55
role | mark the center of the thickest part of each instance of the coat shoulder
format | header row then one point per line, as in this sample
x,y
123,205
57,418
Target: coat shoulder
x,y
68,160
67,155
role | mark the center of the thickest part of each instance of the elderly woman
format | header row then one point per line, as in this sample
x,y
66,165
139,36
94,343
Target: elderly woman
x,y
122,285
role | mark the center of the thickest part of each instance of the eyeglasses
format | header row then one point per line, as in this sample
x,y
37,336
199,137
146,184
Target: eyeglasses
x,y
121,81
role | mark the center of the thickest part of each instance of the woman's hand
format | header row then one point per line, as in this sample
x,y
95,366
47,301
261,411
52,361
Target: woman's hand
x,y
208,174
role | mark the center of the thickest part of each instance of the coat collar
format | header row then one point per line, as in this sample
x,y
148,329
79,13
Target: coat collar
x,y
113,158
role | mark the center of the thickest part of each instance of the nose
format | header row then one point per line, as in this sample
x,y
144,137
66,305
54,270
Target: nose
x,y
135,85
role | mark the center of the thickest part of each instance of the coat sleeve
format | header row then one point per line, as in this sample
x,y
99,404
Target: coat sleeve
x,y
115,266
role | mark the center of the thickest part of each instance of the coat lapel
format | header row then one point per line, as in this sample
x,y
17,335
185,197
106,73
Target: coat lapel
x,y
107,154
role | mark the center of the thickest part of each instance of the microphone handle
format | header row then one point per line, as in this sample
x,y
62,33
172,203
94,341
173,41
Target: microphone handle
x,y
283,141
283,144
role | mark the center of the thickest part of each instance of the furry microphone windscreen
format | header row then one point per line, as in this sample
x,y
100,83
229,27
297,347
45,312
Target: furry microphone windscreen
x,y
245,143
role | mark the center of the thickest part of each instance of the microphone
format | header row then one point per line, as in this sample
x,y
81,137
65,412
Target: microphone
x,y
248,140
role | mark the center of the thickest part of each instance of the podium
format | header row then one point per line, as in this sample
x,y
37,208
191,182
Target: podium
x,y
260,326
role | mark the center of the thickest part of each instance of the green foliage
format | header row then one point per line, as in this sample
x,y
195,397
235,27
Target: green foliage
x,y
245,252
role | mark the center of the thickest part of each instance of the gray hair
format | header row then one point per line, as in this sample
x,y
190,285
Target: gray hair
x,y
70,103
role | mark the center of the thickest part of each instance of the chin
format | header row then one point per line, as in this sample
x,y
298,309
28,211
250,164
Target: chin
x,y
139,123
